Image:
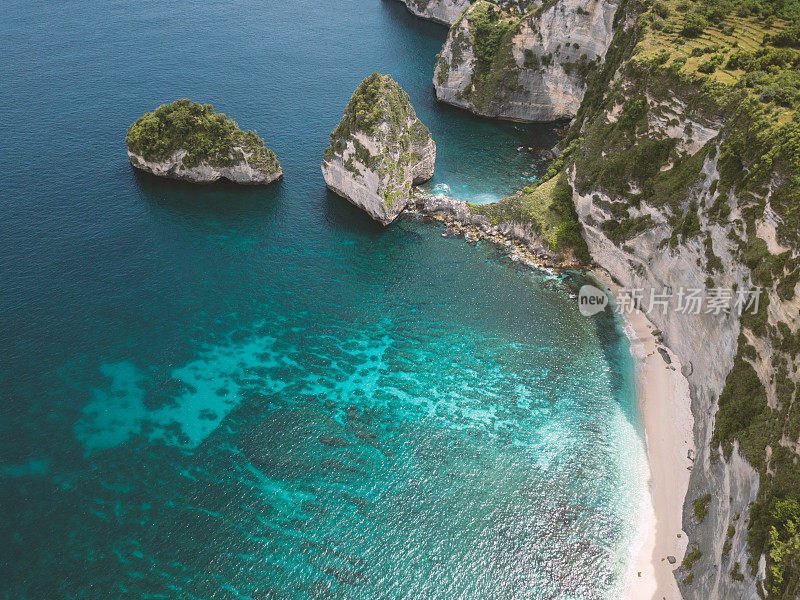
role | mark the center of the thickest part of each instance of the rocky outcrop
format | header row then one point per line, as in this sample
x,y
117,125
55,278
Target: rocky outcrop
x,y
192,142
241,171
499,63
526,245
442,11
379,150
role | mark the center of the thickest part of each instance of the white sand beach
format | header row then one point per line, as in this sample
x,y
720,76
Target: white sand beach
x,y
663,394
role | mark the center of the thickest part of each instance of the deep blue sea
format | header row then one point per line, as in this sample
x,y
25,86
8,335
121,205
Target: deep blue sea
x,y
258,393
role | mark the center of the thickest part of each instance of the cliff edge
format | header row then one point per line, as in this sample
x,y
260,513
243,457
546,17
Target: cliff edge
x,y
526,61
441,11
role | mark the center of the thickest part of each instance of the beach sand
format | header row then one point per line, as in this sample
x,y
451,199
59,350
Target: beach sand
x,y
663,394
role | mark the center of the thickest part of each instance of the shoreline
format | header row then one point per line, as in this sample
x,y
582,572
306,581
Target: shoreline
x,y
522,244
663,400
664,403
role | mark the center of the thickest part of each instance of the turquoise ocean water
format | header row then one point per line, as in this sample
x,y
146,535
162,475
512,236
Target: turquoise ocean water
x,y
237,393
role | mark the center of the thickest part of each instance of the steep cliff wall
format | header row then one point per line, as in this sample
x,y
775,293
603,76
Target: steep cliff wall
x,y
379,150
667,163
525,66
708,343
239,171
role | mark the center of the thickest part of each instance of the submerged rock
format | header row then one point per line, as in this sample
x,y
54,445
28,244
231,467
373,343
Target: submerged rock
x,y
526,61
190,141
379,150
305,443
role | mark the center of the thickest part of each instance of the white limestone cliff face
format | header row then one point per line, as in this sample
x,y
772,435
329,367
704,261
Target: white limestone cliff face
x,y
442,11
424,160
374,164
706,343
240,172
709,344
370,187
539,72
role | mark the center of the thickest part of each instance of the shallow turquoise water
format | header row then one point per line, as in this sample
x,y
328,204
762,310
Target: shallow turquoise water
x,y
259,393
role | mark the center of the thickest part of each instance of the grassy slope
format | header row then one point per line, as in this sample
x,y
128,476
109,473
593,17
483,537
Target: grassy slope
x,y
547,208
531,205
732,34
750,77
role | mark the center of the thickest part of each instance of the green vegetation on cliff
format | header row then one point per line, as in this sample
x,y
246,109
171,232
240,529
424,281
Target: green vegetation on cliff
x,y
377,99
753,87
701,507
784,544
746,70
548,209
379,132
205,135
496,70
745,62
494,34
488,30
745,416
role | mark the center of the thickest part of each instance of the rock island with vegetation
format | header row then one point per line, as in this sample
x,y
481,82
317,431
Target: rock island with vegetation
x,y
190,141
379,150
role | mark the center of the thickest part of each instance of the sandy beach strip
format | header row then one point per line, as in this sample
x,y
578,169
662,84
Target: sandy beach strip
x,y
663,394
665,405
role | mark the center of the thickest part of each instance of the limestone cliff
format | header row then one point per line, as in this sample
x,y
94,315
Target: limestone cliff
x,y
524,61
683,172
707,344
442,11
241,170
379,150
191,142
684,179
